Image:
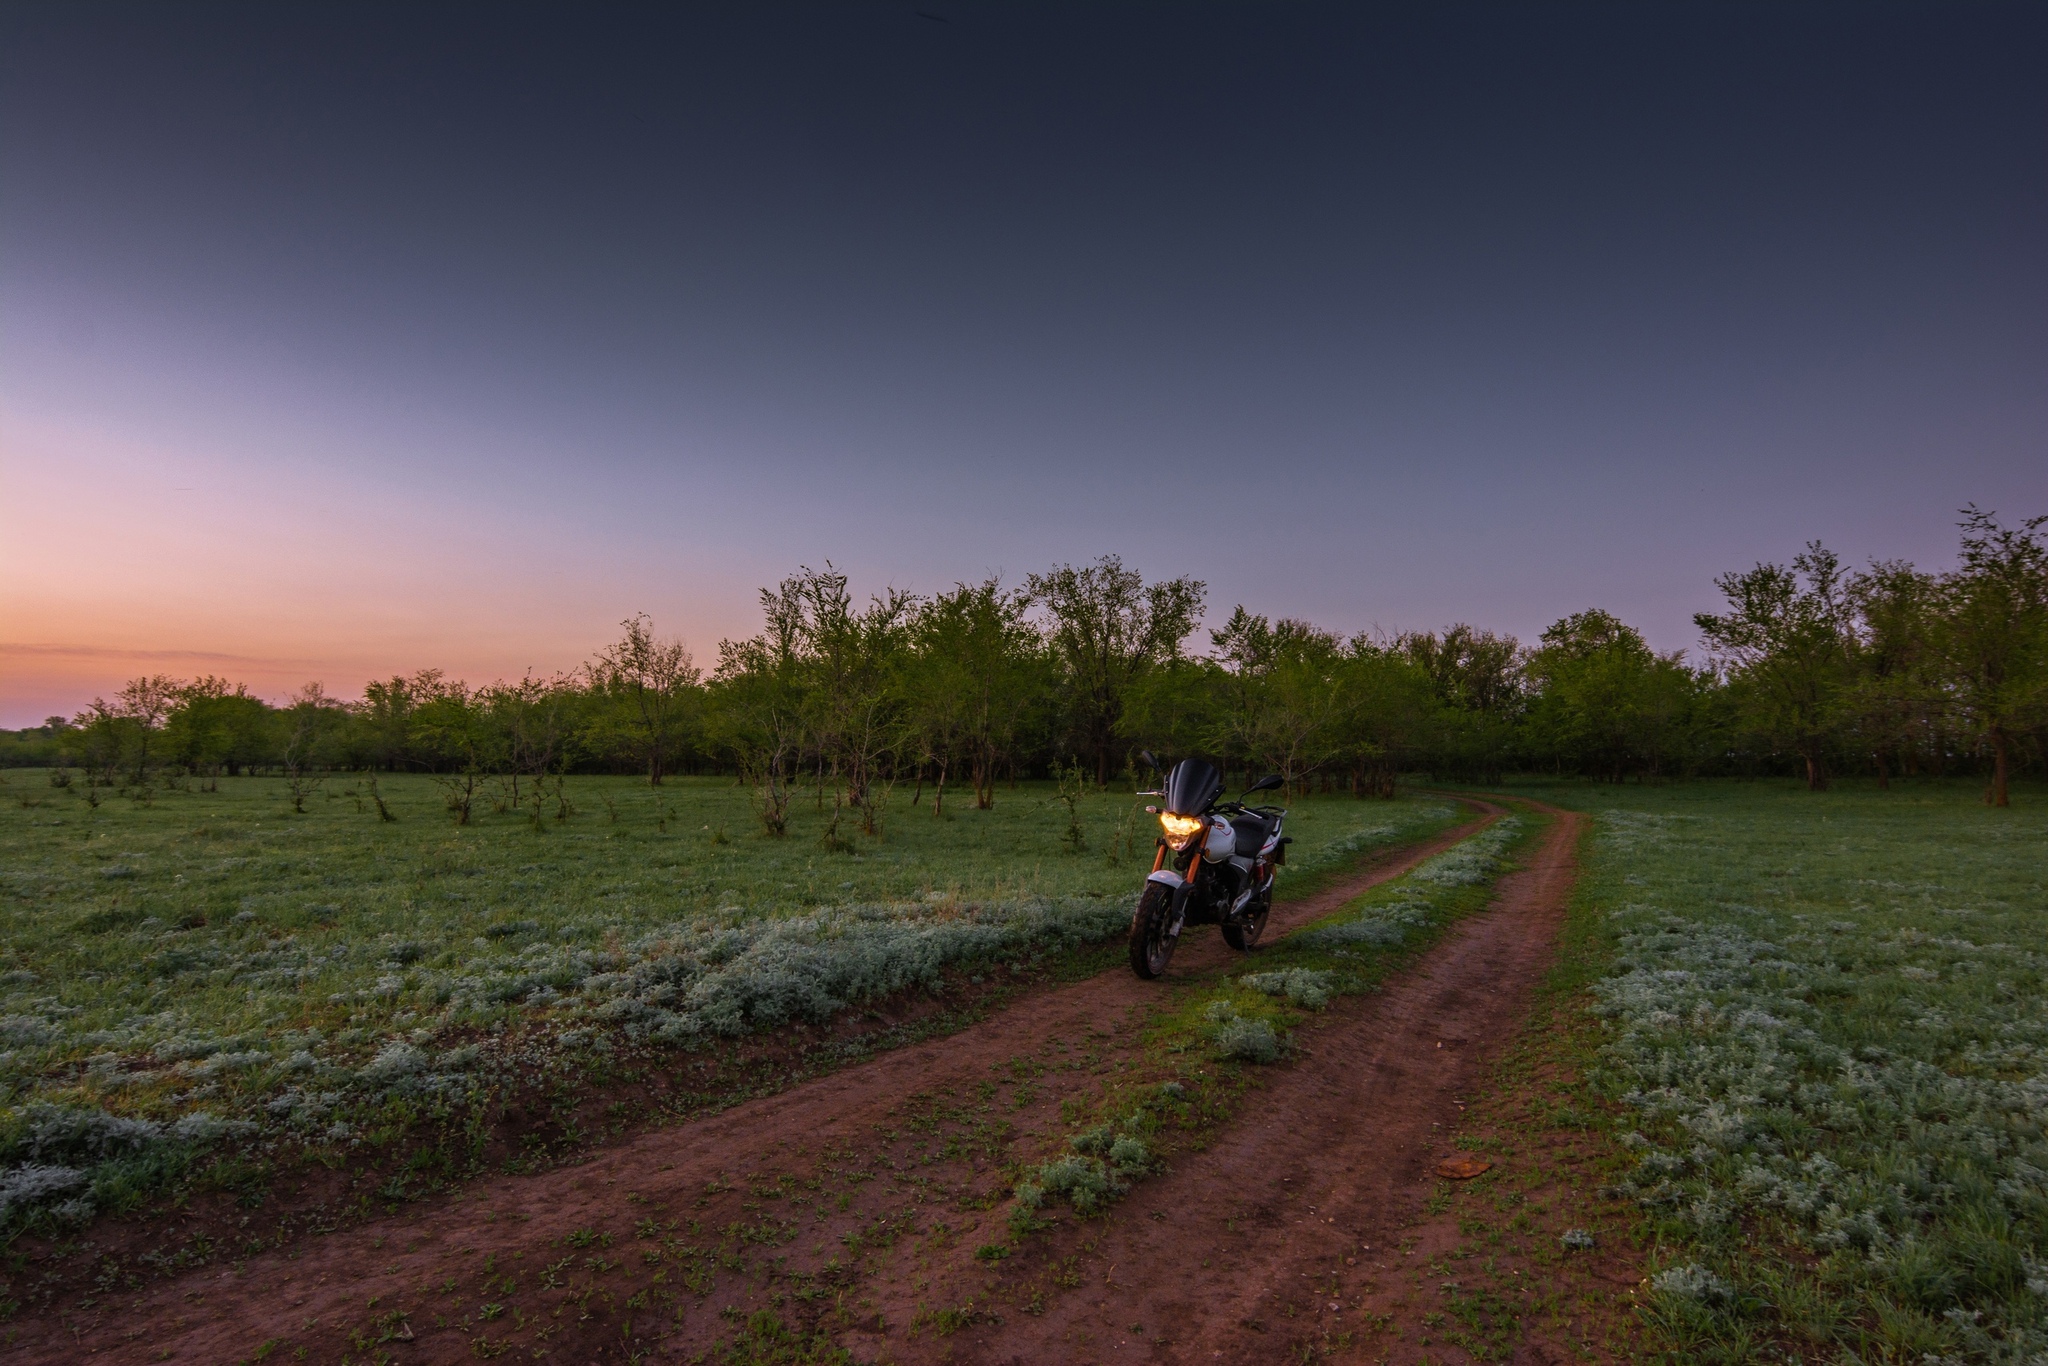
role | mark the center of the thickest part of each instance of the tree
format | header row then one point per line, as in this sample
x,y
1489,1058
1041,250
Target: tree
x,y
1107,628
310,729
656,680
1285,696
1995,635
1477,678
102,737
120,736
970,678
1604,702
850,662
756,711
461,743
216,727
146,702
385,721
537,718
1787,637
1387,722
1894,686
1173,708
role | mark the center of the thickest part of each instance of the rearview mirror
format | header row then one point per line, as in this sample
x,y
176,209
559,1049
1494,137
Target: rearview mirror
x,y
1146,755
1265,784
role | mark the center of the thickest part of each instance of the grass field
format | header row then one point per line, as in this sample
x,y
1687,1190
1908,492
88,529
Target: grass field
x,y
1824,1015
210,963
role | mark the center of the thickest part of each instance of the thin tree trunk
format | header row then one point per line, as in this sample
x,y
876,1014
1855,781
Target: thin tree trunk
x,y
2000,747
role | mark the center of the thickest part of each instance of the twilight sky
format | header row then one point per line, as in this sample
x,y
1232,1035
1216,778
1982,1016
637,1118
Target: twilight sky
x,y
344,340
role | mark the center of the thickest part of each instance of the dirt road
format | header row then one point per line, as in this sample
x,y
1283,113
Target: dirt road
x,y
847,1212
1282,1229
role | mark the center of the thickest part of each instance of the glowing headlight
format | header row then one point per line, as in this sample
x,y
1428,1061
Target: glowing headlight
x,y
1181,829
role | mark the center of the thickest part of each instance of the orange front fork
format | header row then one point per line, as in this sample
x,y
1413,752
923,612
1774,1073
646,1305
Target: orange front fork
x,y
1159,861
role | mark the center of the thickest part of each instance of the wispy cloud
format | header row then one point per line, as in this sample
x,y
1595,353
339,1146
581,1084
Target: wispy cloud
x,y
59,651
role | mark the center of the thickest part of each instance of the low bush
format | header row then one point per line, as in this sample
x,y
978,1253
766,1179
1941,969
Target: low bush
x,y
1305,987
1101,1168
1248,1041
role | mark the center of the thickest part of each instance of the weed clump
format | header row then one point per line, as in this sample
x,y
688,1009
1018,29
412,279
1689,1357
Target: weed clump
x,y
1692,1282
36,1184
1248,1041
1240,1039
1105,1161
1305,987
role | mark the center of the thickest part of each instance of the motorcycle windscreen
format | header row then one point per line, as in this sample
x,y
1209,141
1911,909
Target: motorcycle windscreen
x,y
1191,786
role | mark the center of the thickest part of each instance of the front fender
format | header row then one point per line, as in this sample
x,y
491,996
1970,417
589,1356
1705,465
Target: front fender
x,y
1166,877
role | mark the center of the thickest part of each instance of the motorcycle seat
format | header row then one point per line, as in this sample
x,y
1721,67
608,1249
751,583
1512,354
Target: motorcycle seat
x,y
1252,833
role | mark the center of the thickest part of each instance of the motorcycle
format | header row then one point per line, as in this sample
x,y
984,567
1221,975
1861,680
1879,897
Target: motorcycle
x,y
1215,864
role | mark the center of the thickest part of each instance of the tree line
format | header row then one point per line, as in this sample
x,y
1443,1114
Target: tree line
x,y
1809,668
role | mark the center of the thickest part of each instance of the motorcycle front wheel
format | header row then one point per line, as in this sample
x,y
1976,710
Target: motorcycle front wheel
x,y
1152,938
1243,934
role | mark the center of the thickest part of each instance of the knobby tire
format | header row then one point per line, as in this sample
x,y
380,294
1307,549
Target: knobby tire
x,y
1152,940
1243,935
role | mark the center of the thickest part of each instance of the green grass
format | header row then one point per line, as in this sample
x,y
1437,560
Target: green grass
x,y
172,969
1824,1014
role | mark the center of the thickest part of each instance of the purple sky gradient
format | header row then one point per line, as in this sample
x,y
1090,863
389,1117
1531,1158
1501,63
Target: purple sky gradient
x,y
341,341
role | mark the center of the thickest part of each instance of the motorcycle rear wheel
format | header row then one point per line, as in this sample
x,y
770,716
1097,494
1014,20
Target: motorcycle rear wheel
x,y
1243,935
1152,937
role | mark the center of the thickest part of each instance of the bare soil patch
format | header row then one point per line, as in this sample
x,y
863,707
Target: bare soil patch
x,y
836,1216
1485,1272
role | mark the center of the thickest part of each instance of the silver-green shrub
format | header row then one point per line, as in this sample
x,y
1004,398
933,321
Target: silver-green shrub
x,y
683,984
1305,987
690,983
38,1183
1242,1039
1101,1168
1692,1282
1386,925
